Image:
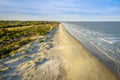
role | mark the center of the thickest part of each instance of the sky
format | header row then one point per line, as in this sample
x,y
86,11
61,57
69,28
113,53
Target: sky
x,y
60,10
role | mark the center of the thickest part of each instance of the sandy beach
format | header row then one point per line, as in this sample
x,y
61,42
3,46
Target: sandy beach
x,y
80,64
59,57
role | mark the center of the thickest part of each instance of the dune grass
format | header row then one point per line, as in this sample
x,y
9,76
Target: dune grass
x,y
15,34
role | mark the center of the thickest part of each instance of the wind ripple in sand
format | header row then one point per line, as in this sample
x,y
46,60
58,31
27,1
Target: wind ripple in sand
x,y
37,60
58,58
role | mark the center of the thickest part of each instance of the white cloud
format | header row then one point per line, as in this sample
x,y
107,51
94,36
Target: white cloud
x,y
58,10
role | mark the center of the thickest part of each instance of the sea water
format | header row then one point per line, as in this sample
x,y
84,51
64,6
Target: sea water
x,y
104,37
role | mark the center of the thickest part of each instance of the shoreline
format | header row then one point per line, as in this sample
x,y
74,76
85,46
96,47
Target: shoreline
x,y
108,61
59,57
90,58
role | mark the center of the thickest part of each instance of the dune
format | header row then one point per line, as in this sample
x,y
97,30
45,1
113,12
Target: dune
x,y
58,57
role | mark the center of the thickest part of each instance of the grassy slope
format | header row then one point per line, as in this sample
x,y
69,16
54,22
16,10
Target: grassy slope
x,y
14,34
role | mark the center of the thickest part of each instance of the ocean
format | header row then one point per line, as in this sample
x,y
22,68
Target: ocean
x,y
100,38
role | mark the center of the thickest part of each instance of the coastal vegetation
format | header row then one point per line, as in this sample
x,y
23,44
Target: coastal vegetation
x,y
15,34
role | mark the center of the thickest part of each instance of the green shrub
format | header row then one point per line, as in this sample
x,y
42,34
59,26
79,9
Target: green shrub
x,y
15,34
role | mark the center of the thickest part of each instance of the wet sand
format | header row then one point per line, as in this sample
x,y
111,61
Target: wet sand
x,y
59,57
80,63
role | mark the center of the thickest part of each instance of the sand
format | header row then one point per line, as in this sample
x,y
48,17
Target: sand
x,y
59,57
80,63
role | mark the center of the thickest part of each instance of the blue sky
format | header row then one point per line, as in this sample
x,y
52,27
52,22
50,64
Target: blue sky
x,y
62,10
